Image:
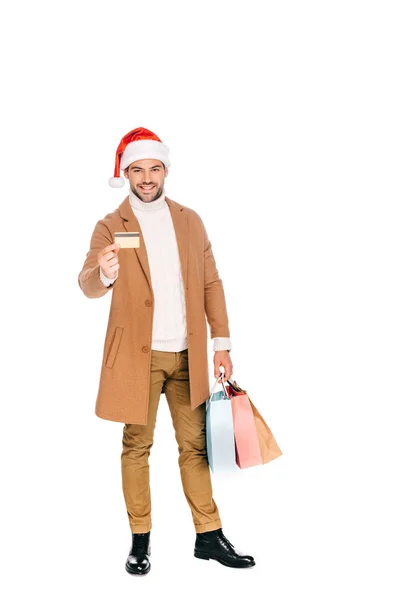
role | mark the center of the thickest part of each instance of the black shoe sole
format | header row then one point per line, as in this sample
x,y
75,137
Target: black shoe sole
x,y
144,572
206,556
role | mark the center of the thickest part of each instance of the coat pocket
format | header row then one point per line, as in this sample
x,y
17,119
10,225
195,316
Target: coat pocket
x,y
114,346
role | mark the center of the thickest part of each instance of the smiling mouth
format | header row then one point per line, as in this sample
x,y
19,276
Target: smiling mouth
x,y
147,188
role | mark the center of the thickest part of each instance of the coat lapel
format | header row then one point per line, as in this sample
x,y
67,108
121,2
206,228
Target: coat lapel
x,y
181,225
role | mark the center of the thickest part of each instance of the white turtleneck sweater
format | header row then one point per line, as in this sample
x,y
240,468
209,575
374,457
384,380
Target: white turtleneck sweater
x,y
169,322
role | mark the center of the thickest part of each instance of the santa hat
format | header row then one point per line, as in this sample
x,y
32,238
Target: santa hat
x,y
135,145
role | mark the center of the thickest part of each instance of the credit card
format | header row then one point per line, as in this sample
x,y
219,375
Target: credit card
x,y
127,239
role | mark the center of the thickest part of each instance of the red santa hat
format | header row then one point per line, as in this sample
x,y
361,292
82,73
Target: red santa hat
x,y
135,145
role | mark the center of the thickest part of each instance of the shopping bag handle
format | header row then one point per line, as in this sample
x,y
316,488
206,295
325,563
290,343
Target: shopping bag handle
x,y
223,385
236,388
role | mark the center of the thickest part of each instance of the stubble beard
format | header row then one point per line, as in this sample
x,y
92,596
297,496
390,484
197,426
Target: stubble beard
x,y
146,198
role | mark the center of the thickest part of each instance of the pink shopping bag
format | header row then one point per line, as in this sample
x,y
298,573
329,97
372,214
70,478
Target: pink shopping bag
x,y
248,452
267,443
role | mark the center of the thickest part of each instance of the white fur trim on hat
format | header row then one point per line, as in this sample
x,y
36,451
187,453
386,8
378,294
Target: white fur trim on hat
x,y
116,182
145,149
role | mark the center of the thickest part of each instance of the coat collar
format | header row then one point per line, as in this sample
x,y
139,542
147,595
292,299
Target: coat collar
x,y
181,225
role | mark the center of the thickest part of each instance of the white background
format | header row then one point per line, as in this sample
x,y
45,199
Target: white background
x,y
282,120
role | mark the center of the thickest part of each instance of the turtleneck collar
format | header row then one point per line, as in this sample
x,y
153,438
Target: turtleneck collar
x,y
136,202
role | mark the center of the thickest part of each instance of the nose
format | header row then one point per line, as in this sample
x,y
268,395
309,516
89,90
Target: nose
x,y
147,179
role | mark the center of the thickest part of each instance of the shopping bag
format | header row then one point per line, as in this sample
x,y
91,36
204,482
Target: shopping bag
x,y
220,439
248,452
241,406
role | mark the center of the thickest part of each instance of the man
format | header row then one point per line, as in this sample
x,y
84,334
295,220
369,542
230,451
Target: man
x,y
165,285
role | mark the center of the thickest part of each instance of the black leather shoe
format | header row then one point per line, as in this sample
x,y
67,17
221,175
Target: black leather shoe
x,y
138,562
213,544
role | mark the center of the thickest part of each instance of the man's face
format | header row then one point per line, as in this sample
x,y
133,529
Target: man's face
x,y
146,178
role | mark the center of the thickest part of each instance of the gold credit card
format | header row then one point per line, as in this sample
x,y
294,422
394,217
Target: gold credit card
x,y
127,239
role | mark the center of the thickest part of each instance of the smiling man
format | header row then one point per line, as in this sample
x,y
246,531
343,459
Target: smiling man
x,y
146,178
165,286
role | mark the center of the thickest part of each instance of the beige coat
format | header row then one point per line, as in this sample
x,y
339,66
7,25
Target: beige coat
x,y
123,393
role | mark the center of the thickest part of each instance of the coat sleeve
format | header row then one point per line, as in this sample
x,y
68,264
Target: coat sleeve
x,y
89,277
214,295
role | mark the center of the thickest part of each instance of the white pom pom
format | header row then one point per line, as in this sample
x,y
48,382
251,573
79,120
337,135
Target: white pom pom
x,y
116,182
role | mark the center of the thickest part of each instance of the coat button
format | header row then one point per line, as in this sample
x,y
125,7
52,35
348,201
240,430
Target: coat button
x,y
148,303
145,348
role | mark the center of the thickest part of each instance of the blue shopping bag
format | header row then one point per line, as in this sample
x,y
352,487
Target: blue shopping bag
x,y
220,437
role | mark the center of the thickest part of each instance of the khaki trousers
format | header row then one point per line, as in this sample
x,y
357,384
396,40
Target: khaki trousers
x,y
169,375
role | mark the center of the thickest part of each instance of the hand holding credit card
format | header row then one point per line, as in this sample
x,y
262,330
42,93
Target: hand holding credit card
x,y
127,239
108,260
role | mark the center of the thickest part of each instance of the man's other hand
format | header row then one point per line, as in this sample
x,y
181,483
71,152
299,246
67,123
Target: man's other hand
x,y
222,359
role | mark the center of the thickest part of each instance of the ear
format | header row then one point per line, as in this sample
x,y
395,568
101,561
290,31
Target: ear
x,y
126,173
166,172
